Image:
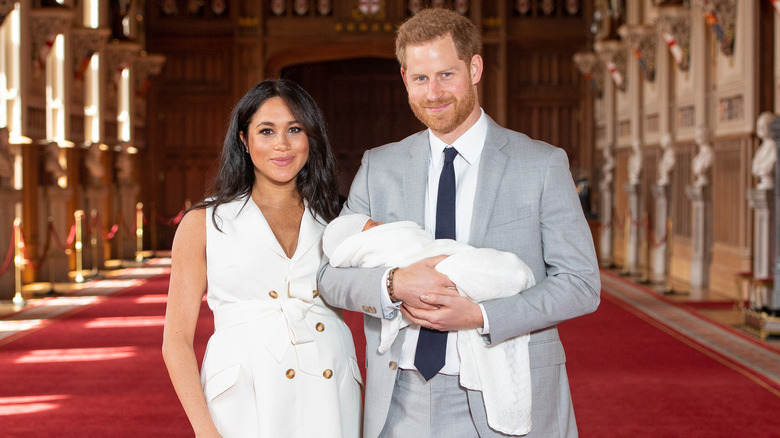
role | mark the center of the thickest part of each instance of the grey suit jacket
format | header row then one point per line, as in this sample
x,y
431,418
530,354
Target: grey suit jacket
x,y
526,203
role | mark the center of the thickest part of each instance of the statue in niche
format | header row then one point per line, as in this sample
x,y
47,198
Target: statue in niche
x,y
6,161
606,169
124,167
51,163
94,164
667,160
703,160
766,155
634,163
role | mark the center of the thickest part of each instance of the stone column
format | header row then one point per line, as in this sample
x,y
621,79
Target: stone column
x,y
634,237
773,301
658,246
606,257
761,200
701,228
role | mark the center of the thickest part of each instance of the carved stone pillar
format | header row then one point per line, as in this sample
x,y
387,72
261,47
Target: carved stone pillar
x,y
658,246
773,301
761,200
606,258
634,244
701,229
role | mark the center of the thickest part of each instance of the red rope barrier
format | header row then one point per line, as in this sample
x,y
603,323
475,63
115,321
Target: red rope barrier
x,y
10,255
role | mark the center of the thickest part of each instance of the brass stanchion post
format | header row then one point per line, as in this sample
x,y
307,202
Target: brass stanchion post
x,y
78,215
18,263
93,242
139,232
668,289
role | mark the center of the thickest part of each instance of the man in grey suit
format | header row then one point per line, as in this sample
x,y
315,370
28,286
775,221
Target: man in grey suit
x,y
510,193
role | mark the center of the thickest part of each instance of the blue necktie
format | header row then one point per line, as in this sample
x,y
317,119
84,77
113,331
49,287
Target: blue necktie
x,y
432,344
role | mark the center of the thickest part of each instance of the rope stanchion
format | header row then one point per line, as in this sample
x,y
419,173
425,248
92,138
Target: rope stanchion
x,y
18,262
139,232
78,215
10,255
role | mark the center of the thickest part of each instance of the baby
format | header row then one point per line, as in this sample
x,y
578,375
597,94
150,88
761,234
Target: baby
x,y
478,273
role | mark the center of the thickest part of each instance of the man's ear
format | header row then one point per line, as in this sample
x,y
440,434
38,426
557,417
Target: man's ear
x,y
476,69
403,76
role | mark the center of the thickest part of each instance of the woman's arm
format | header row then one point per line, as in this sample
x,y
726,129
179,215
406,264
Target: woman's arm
x,y
185,293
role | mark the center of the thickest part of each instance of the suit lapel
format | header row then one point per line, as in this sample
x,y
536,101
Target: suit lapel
x,y
415,176
491,169
309,234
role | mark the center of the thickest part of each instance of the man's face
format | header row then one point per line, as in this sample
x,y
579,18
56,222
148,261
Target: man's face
x,y
441,86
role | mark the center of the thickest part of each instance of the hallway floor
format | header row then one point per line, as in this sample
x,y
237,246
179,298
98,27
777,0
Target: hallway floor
x,y
39,304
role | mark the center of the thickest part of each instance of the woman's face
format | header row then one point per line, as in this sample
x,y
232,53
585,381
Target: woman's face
x,y
277,144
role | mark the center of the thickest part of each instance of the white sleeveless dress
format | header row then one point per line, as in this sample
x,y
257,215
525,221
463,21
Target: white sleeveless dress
x,y
281,362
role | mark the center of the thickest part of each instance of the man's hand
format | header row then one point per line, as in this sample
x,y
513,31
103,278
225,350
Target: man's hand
x,y
445,313
421,278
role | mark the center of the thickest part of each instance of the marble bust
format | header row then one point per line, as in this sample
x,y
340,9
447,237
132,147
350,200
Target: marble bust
x,y
766,154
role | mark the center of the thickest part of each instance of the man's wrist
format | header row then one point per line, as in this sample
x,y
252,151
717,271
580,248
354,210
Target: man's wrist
x,y
389,285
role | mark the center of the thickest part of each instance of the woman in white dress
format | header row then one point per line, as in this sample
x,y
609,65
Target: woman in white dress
x,y
281,362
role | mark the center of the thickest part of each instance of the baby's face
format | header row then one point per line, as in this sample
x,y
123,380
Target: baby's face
x,y
371,224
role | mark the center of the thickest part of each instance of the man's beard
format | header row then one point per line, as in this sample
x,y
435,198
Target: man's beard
x,y
449,120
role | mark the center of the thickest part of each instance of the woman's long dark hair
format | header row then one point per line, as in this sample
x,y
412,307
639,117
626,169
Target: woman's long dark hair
x,y
316,181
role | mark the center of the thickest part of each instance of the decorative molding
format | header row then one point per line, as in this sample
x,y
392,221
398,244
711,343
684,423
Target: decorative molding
x,y
45,25
674,24
721,15
119,56
85,42
144,67
591,67
642,42
365,9
6,7
614,55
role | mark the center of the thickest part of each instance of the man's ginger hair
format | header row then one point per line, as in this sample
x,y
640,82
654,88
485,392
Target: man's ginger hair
x,y
432,24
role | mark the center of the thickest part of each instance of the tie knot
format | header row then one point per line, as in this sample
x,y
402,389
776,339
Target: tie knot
x,y
449,154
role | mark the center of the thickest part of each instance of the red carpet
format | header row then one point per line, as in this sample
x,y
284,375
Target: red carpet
x,y
98,372
633,378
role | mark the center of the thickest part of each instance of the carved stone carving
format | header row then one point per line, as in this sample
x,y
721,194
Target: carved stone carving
x,y
85,42
6,7
614,55
46,24
702,162
635,163
674,24
119,56
721,15
642,42
766,155
144,67
590,66
668,159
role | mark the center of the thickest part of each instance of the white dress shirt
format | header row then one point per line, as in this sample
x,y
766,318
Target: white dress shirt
x,y
466,164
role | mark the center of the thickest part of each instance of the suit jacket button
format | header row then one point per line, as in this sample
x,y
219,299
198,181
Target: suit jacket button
x,y
327,374
320,326
315,293
290,373
393,365
273,294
